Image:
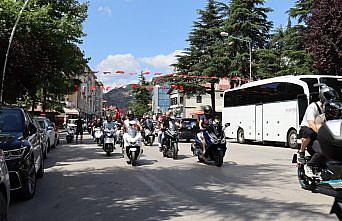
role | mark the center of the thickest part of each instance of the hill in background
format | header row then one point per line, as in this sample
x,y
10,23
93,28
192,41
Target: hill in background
x,y
119,97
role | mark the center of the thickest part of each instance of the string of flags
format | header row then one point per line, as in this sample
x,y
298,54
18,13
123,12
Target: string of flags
x,y
158,75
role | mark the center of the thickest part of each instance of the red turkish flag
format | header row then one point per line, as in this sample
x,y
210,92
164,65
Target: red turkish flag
x,y
107,88
134,86
146,72
93,88
120,72
181,87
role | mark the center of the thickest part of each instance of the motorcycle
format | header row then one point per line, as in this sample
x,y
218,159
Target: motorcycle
x,y
98,135
109,140
119,135
216,145
149,136
324,175
132,144
170,142
89,128
70,135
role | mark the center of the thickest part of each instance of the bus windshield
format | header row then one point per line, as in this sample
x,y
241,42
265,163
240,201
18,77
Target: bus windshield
x,y
335,83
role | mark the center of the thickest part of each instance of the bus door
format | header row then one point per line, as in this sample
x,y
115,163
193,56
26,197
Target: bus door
x,y
258,122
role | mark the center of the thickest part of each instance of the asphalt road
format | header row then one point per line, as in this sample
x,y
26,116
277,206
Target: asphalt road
x,y
255,183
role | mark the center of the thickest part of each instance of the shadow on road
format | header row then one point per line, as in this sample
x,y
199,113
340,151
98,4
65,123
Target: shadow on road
x,y
156,193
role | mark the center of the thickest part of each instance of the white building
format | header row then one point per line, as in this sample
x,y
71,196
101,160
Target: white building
x,y
185,106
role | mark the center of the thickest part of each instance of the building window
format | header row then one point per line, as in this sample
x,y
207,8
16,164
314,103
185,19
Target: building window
x,y
221,95
181,99
199,99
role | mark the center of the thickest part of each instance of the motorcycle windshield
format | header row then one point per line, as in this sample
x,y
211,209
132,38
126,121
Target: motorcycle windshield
x,y
172,126
132,132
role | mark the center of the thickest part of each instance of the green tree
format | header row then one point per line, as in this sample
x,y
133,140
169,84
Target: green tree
x,y
301,10
44,56
324,36
247,20
141,94
205,55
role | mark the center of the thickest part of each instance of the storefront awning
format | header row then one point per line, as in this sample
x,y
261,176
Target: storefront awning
x,y
71,111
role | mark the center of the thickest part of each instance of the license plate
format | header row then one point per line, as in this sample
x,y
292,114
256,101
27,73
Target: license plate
x,y
109,140
132,149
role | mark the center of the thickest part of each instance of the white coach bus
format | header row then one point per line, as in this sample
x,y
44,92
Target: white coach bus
x,y
272,109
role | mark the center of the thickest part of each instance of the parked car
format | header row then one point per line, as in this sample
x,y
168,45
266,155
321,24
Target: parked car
x,y
23,150
44,138
71,124
4,187
188,130
46,124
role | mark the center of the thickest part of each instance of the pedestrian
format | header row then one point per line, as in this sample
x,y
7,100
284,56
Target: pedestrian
x,y
79,128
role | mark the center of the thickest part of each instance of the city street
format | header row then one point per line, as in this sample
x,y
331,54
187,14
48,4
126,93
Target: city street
x,y
255,183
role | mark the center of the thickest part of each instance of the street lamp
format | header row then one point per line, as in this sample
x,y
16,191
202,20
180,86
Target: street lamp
x,y
225,34
8,49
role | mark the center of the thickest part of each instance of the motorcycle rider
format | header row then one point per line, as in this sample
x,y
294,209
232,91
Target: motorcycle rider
x,y
205,120
108,124
131,117
164,125
309,129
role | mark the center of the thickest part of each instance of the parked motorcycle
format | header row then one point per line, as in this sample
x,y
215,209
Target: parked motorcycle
x,y
170,142
216,145
324,174
109,140
132,144
98,135
70,135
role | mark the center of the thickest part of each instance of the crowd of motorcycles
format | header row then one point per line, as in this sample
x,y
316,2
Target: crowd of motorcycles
x,y
131,142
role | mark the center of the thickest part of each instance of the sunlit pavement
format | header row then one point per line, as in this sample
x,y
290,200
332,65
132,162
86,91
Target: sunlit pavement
x,y
255,183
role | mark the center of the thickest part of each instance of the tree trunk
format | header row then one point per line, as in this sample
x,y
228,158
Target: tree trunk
x,y
212,94
44,99
33,104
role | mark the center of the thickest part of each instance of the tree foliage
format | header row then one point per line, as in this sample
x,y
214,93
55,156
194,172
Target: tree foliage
x,y
140,105
44,56
324,36
247,20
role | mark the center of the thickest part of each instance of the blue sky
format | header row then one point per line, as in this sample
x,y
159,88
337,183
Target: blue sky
x,y
135,35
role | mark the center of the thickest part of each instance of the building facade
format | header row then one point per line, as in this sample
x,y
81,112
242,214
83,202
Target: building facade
x,y
160,99
185,106
87,98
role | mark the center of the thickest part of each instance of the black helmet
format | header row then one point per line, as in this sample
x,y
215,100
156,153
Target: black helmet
x,y
332,110
130,114
327,94
207,110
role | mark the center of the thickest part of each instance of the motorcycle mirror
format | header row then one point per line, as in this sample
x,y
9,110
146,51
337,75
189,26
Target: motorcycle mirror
x,y
227,125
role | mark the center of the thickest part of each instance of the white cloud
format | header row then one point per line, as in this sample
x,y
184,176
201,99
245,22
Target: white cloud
x,y
161,61
131,64
105,10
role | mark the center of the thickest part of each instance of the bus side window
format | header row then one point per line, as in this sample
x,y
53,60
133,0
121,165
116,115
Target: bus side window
x,y
302,105
314,91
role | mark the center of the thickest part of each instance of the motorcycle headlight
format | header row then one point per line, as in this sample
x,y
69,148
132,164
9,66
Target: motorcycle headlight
x,y
15,154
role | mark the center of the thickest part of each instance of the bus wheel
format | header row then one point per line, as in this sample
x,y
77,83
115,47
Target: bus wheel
x,y
241,136
292,139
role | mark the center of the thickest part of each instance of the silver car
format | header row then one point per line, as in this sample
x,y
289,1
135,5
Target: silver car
x,y
46,125
4,187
